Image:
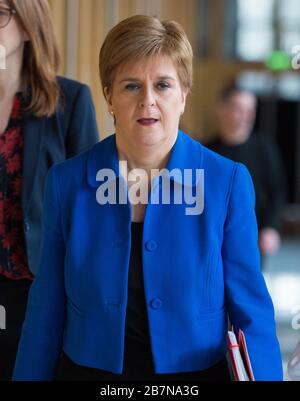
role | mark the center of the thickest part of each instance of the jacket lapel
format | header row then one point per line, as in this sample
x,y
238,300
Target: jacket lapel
x,y
33,133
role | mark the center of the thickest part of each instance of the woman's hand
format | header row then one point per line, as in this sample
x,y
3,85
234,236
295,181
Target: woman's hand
x,y
269,241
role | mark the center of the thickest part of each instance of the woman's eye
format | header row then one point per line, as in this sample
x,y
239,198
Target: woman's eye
x,y
163,85
132,87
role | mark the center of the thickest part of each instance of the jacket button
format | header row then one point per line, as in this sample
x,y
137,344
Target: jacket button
x,y
151,245
26,226
156,303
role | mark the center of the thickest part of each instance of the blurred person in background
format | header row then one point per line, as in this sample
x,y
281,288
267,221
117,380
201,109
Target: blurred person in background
x,y
236,113
43,119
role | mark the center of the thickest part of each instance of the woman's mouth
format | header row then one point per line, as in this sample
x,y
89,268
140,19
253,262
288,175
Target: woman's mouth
x,y
147,121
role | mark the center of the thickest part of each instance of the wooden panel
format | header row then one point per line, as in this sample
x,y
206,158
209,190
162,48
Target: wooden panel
x,y
104,14
58,8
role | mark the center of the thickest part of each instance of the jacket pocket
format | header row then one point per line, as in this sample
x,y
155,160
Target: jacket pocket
x,y
211,315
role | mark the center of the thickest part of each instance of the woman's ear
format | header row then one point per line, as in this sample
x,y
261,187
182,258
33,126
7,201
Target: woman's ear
x,y
107,96
183,99
25,36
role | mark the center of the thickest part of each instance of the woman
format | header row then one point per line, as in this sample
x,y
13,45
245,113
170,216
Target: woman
x,y
43,119
131,288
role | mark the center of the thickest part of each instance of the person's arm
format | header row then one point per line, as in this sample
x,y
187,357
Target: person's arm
x,y
276,192
41,341
249,304
275,184
83,131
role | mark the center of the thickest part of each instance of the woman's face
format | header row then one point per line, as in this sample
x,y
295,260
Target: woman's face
x,y
147,101
237,116
12,36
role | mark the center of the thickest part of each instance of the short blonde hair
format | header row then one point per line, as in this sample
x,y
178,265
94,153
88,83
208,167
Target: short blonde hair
x,y
144,36
41,57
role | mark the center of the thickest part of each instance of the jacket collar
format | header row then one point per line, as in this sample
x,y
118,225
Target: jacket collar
x,y
185,154
103,155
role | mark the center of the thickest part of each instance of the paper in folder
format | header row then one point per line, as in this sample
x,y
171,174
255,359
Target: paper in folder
x,y
239,357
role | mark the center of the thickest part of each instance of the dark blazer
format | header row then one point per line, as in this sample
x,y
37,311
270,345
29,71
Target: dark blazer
x,y
69,131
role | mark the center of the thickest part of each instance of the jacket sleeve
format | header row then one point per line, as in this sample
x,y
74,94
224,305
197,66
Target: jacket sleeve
x,y
83,131
249,304
41,340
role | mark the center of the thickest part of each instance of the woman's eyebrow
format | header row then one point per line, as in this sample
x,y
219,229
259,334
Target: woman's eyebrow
x,y
166,77
129,79
163,77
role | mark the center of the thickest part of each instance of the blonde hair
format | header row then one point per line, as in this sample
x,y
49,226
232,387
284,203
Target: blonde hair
x,y
144,36
41,57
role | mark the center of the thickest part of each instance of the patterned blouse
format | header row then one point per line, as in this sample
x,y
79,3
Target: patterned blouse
x,y
13,258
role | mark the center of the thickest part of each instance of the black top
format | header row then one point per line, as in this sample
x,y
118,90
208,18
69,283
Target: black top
x,y
263,160
137,328
138,362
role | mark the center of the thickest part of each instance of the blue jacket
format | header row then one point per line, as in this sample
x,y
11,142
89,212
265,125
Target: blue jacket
x,y
71,130
198,270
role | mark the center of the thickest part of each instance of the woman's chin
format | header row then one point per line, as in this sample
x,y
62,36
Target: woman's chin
x,y
149,139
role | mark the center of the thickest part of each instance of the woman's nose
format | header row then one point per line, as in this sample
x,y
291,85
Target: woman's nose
x,y
147,98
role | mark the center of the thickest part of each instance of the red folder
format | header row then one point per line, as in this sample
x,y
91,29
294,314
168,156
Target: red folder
x,y
239,357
